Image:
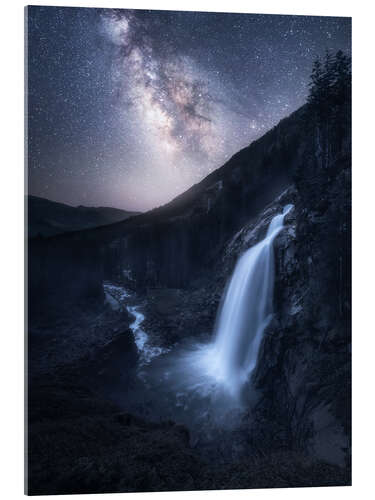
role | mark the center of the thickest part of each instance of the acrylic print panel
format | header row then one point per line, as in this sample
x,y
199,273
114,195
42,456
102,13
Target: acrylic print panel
x,y
189,283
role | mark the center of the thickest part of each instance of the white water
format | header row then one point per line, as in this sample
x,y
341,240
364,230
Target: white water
x,y
218,370
246,311
116,296
146,351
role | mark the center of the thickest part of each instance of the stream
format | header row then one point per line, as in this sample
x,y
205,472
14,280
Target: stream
x,y
119,299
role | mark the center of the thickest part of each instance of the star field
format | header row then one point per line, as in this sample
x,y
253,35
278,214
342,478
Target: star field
x,y
130,108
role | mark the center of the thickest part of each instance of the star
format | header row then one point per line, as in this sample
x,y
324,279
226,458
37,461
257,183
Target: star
x,y
133,107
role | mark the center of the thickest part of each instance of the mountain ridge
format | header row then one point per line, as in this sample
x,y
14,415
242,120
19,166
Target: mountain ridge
x,y
177,240
288,126
49,218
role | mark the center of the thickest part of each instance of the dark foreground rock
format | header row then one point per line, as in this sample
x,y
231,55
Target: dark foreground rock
x,y
100,450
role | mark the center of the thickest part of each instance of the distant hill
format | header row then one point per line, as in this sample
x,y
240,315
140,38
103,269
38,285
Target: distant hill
x,y
48,218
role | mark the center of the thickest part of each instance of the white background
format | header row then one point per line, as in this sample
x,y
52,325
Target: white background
x,y
12,239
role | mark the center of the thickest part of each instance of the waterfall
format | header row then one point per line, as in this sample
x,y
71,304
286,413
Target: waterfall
x,y
216,371
246,311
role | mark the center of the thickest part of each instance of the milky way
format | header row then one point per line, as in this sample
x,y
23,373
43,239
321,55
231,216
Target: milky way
x,y
130,108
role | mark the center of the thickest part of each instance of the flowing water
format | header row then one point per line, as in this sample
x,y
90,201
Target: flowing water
x,y
117,298
217,371
201,383
246,311
146,350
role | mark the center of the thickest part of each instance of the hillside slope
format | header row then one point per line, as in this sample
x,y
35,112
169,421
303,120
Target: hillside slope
x,y
48,218
170,245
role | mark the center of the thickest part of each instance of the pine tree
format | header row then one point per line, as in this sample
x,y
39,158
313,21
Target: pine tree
x,y
330,84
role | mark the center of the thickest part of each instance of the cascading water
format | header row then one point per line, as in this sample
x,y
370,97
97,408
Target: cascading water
x,y
216,372
246,311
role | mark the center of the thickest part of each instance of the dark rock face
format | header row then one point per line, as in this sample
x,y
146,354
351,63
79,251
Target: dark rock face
x,y
194,310
309,344
304,370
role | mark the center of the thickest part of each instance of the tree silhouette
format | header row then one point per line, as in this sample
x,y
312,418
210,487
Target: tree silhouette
x,y
328,113
330,86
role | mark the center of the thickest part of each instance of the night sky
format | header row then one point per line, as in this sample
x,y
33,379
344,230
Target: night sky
x,y
130,108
